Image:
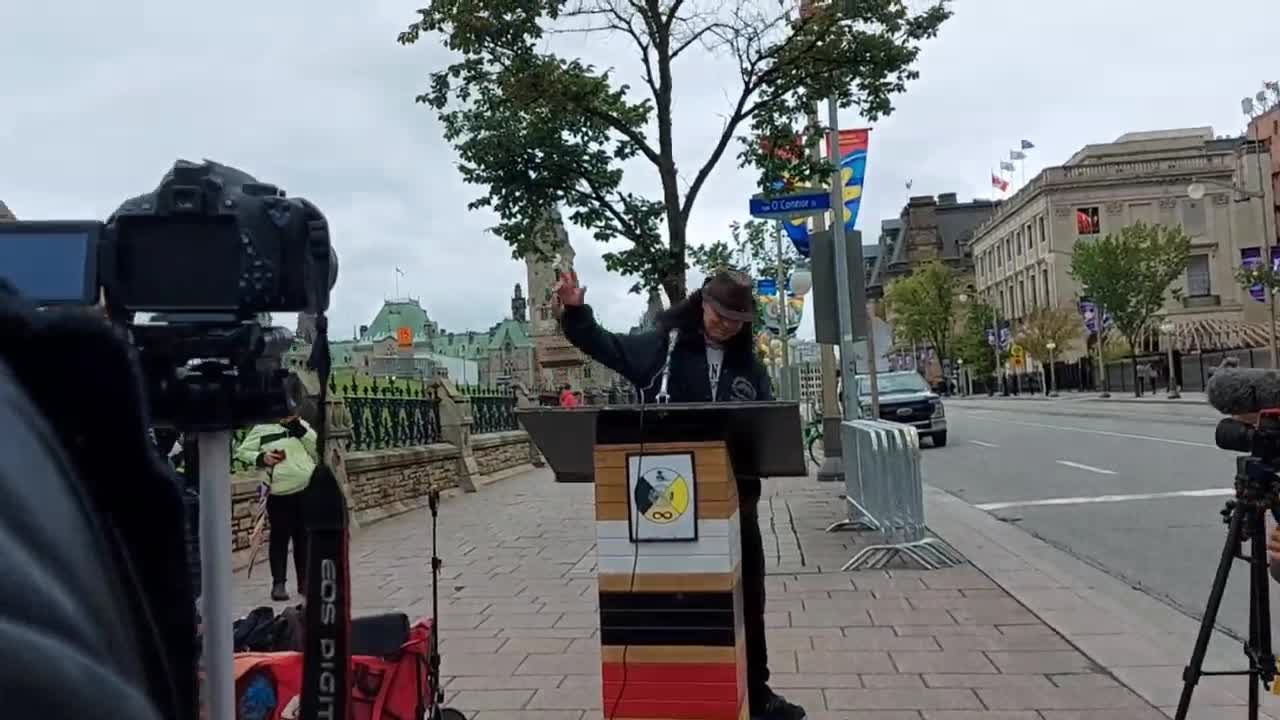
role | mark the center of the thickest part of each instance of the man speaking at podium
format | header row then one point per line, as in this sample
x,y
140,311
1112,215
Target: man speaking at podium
x,y
712,361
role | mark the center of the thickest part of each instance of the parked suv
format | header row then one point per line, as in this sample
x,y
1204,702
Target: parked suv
x,y
906,398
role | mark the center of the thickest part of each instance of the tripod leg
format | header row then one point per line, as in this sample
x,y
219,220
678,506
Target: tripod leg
x,y
1262,661
1191,674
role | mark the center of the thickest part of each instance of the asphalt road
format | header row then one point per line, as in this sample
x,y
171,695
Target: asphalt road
x,y
1048,466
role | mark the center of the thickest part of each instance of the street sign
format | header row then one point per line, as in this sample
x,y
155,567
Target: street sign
x,y
811,202
1017,356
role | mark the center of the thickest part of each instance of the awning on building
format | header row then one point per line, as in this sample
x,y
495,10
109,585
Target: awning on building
x,y
1207,335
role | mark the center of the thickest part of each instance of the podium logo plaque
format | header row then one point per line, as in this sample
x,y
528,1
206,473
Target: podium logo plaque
x,y
662,498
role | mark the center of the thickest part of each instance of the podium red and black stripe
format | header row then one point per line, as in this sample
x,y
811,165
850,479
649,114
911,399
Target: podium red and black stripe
x,y
671,630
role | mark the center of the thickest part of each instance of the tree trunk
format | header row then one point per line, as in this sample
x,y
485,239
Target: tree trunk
x,y
674,282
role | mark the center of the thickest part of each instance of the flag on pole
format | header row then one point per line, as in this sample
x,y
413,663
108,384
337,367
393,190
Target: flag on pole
x,y
999,183
399,271
909,184
1027,145
1006,165
1017,155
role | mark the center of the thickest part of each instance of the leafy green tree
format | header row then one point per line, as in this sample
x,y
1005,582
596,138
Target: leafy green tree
x,y
924,304
971,342
1131,274
752,248
539,130
1061,326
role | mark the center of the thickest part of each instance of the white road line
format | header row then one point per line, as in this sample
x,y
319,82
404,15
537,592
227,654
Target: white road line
x,y
1069,428
1212,492
984,444
1090,468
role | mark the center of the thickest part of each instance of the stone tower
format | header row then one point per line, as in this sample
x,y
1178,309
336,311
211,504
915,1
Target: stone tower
x,y
518,305
306,328
544,272
557,361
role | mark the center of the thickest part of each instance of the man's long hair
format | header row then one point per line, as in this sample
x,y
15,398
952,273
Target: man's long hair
x,y
686,316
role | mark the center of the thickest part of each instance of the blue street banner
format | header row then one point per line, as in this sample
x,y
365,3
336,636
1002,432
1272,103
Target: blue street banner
x,y
853,170
1089,311
1006,335
1251,258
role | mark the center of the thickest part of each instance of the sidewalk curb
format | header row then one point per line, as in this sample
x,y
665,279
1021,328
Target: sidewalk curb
x,y
1139,640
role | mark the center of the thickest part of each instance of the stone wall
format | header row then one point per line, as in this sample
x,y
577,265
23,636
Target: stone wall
x,y
495,452
388,482
383,483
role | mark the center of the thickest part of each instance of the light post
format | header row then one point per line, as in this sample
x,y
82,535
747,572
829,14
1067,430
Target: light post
x,y
799,283
1167,328
964,389
1053,374
963,299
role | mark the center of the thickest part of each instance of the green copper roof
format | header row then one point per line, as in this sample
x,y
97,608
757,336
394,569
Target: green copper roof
x,y
396,314
473,345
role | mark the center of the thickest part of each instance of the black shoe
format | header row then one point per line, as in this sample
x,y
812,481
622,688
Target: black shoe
x,y
278,592
773,706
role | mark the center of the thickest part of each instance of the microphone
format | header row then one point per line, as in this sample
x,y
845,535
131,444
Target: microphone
x,y
1242,391
1237,391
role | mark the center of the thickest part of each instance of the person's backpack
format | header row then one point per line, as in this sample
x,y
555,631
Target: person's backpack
x,y
262,630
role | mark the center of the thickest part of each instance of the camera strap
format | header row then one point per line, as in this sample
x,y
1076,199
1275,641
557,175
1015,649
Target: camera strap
x,y
326,666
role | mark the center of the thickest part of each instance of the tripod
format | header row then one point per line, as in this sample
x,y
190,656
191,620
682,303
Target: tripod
x,y
1256,487
438,710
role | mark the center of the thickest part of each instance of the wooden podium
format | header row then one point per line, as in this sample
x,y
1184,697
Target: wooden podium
x,y
669,544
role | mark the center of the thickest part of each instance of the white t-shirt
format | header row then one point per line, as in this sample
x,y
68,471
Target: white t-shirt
x,y
715,362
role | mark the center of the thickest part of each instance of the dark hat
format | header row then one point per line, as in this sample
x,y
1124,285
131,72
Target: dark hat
x,y
730,294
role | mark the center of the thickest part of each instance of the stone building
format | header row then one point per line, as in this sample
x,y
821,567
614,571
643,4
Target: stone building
x,y
1265,130
928,228
1023,254
6,215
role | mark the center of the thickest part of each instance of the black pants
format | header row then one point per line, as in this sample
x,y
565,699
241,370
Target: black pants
x,y
285,514
753,589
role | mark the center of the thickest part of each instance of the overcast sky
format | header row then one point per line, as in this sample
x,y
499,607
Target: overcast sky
x,y
97,99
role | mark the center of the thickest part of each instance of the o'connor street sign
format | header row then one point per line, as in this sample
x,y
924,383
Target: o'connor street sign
x,y
812,202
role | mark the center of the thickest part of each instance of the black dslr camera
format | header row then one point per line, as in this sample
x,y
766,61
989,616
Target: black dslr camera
x,y
206,255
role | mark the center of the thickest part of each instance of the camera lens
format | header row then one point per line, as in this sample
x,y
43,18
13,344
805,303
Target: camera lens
x,y
1234,435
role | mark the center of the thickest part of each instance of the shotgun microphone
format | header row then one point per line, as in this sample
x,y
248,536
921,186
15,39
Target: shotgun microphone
x,y
1243,391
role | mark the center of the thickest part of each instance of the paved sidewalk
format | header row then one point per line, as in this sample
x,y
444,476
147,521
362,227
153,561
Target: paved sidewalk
x,y
519,623
1121,397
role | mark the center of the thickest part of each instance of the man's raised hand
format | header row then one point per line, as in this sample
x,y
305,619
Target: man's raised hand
x,y
568,292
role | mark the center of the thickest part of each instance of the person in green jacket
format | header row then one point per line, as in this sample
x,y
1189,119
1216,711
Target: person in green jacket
x,y
287,450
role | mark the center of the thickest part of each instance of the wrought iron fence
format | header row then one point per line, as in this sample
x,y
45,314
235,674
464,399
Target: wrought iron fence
x,y
390,415
492,408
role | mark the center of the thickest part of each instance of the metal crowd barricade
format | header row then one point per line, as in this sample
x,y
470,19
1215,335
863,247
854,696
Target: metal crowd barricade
x,y
884,491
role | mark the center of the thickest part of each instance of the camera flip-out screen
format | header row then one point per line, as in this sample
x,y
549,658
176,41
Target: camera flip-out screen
x,y
178,264
51,263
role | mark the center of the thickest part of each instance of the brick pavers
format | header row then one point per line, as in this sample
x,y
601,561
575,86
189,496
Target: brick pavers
x,y
519,627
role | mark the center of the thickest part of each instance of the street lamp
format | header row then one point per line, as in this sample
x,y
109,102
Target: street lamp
x,y
1167,328
801,281
1053,375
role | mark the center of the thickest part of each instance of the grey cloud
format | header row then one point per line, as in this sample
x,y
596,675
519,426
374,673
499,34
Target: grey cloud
x,y
99,99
